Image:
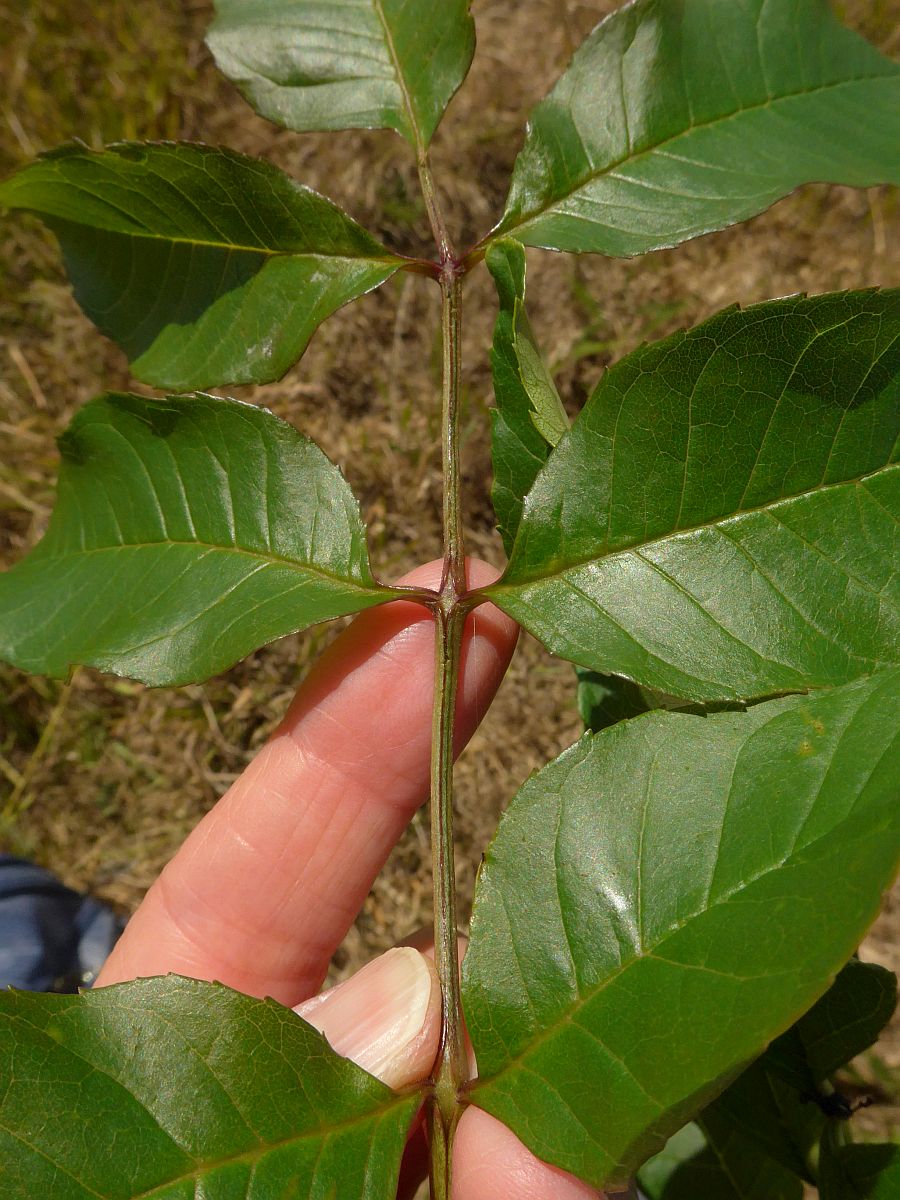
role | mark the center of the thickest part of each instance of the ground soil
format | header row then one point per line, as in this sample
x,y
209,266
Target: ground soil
x,y
100,779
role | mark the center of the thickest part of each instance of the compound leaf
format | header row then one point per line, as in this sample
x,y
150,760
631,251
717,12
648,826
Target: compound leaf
x,y
529,418
330,64
187,532
663,900
172,1088
721,520
206,266
675,119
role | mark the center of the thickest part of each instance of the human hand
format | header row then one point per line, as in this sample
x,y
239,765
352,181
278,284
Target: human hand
x,y
264,889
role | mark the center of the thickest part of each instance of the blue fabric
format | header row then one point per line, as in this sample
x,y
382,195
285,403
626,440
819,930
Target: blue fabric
x,y
51,938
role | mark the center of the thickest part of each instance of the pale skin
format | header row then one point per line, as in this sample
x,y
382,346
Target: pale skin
x,y
263,891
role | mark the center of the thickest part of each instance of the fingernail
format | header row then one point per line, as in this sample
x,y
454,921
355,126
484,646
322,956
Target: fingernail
x,y
386,1018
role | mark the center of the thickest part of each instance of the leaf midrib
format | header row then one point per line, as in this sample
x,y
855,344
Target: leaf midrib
x,y
232,247
259,1152
177,239
520,581
597,173
269,557
400,78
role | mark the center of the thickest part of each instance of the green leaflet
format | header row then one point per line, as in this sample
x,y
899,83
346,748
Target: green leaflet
x,y
742,1173
207,267
678,118
346,64
691,1168
665,898
603,700
770,1119
172,1088
720,521
529,418
187,532
768,1112
846,1021
760,1132
862,1172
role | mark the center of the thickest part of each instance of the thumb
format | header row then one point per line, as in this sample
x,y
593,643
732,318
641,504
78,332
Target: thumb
x,y
386,1018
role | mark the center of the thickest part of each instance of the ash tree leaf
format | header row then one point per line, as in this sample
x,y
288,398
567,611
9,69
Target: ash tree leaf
x,y
529,418
768,1117
720,523
769,1108
745,1174
663,900
736,1170
602,700
207,267
330,64
173,1088
605,699
187,532
690,1167
660,131
860,1172
704,1176
846,1021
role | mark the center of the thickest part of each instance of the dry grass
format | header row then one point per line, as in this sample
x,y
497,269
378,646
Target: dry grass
x,y
103,778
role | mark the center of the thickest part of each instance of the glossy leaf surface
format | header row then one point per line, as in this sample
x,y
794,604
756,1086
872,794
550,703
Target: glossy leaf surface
x,y
172,1089
661,901
675,119
346,64
207,267
187,532
529,418
721,520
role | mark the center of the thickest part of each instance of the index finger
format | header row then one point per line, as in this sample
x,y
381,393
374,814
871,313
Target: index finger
x,y
264,889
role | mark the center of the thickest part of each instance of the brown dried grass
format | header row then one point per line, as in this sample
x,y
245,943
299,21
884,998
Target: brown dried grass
x,y
101,779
